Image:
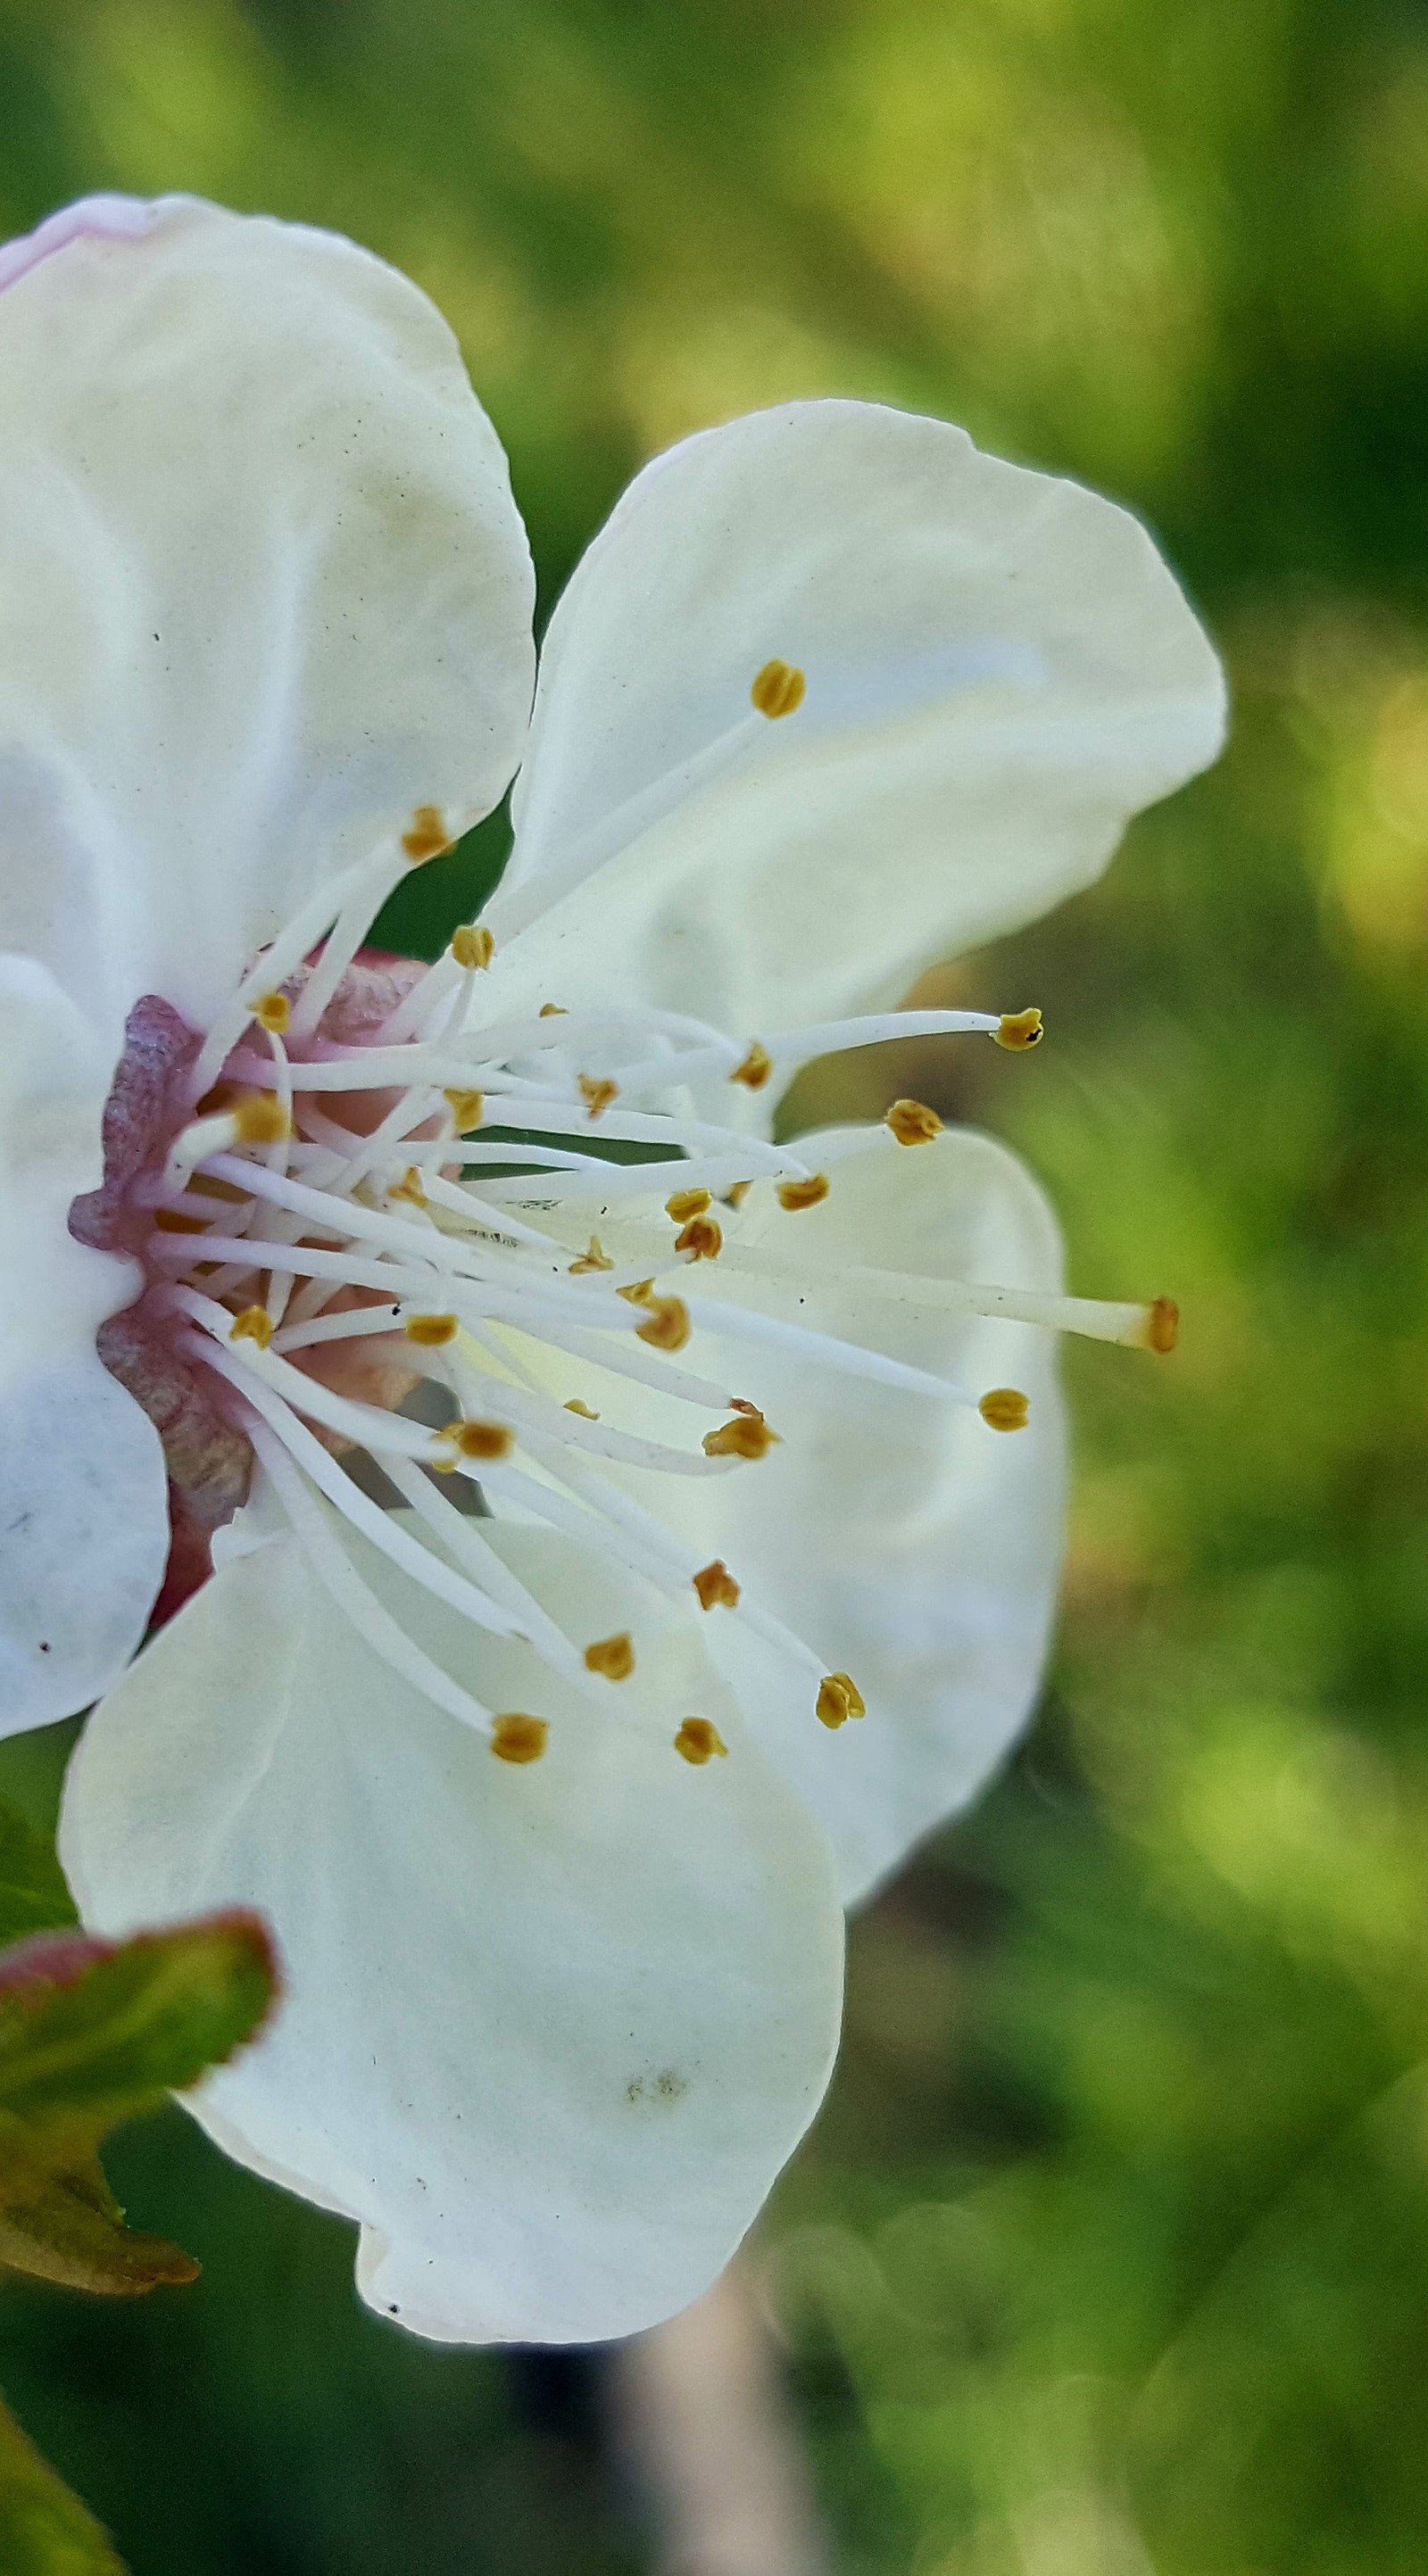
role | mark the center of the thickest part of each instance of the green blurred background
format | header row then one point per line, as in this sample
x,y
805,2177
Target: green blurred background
x,y
1109,2256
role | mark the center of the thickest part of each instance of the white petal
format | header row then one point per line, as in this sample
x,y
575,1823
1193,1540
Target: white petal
x,y
83,1511
549,2032
902,1539
1000,671
263,588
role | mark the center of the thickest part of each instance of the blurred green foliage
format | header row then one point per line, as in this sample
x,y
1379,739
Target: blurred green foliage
x,y
1110,2255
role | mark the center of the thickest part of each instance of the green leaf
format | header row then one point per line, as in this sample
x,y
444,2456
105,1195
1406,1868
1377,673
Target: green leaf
x,y
33,1894
93,2032
44,2530
72,2231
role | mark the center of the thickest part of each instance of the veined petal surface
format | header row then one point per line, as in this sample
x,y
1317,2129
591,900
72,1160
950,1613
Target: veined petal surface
x,y
83,1510
263,588
549,2031
999,671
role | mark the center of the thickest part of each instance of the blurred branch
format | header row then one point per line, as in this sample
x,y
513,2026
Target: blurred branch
x,y
702,2417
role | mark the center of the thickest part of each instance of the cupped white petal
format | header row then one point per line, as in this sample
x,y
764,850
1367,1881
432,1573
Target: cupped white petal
x,y
906,1542
999,671
263,588
83,1510
550,2030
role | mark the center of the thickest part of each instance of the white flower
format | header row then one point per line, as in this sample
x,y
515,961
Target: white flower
x,y
832,693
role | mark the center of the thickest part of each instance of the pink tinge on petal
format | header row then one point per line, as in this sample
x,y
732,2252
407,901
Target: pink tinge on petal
x,y
105,218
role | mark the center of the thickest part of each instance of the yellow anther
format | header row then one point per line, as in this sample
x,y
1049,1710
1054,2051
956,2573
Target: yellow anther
x,y
747,1436
472,945
666,1323
612,1656
839,1698
737,1192
594,1257
426,835
409,1188
553,1011
597,1093
778,689
255,1324
261,1119
716,1587
702,1239
574,1405
466,1109
1004,1408
273,1013
794,1195
431,1332
477,1439
1018,1030
912,1124
698,1741
755,1069
519,1739
683,1204
1162,1325
638,1294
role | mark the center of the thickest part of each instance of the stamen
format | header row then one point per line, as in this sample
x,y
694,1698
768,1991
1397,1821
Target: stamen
x,y
431,1332
755,1068
716,1587
477,1439
574,1405
794,1195
839,1698
336,1572
261,1119
273,1012
255,1324
912,1123
666,1323
1019,1030
593,1258
517,1738
699,1741
778,689
596,1094
683,1204
1004,1408
466,1108
612,1656
554,1011
747,1436
638,1293
472,946
702,1239
1162,1325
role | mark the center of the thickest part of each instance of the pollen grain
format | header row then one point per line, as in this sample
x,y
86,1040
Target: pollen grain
x,y
612,1656
912,1123
518,1738
778,689
716,1587
699,1740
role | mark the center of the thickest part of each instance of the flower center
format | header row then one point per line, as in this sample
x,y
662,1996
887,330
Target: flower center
x,y
362,1211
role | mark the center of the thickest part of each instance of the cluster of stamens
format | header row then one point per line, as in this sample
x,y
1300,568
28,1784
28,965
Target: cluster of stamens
x,y
343,1218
